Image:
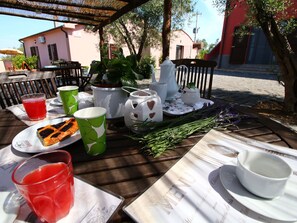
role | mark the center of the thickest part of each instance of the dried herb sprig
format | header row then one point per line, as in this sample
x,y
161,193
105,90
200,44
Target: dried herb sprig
x,y
164,135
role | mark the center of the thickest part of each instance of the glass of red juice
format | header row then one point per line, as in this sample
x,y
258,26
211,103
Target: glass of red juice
x,y
46,182
34,105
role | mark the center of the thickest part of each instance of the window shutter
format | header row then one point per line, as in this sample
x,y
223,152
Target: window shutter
x,y
49,52
55,52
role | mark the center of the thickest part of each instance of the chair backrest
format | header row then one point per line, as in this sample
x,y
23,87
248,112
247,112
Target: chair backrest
x,y
72,73
200,72
11,92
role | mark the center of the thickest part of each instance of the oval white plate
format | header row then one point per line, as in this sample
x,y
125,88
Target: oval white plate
x,y
177,107
283,208
27,140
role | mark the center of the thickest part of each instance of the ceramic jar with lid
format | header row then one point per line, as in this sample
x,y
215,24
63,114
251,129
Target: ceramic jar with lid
x,y
190,96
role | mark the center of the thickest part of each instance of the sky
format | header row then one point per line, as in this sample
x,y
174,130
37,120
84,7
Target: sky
x,y
14,28
210,22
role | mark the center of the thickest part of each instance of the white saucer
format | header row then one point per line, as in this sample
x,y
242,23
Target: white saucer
x,y
283,208
56,102
8,214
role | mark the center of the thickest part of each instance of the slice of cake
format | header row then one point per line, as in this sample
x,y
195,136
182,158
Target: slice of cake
x,y
52,134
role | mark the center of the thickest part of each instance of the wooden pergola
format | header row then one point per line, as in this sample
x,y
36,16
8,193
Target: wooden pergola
x,y
97,13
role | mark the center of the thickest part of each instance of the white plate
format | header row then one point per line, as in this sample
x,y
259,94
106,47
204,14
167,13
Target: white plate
x,y
177,106
8,214
283,208
56,102
27,140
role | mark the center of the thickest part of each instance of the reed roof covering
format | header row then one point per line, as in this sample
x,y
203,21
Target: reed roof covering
x,y
88,12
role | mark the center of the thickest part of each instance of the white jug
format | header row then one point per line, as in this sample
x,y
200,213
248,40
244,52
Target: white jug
x,y
167,75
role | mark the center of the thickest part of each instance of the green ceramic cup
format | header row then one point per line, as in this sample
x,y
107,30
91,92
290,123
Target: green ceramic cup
x,y
69,97
92,126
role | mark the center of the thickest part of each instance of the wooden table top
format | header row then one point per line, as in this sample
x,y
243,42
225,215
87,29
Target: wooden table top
x,y
126,170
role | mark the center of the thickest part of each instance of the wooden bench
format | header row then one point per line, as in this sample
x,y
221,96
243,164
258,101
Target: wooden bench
x,y
12,90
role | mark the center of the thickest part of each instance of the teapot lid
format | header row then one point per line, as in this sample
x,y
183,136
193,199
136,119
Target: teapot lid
x,y
167,62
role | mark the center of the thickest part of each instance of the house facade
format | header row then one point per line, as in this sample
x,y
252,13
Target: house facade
x,y
68,42
249,52
71,42
181,47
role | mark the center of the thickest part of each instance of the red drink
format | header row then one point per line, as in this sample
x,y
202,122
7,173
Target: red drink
x,y
48,187
34,105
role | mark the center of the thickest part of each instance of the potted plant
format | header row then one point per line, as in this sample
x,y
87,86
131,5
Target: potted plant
x,y
112,75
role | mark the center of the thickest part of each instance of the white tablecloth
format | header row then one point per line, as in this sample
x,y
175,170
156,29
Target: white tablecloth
x,y
53,111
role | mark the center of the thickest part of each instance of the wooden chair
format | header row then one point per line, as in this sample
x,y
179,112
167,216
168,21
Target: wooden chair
x,y
200,72
11,92
71,73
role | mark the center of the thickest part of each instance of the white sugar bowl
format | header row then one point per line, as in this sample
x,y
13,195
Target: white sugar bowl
x,y
190,96
263,174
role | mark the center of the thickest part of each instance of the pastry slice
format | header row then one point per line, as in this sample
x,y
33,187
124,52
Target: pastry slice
x,y
52,134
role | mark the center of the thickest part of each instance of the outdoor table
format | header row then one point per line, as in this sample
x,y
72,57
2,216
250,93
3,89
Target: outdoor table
x,y
24,75
126,170
69,73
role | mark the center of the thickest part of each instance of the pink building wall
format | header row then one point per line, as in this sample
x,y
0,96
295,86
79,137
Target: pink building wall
x,y
84,46
178,37
73,44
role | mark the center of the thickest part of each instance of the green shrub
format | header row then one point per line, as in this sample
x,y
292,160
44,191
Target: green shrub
x,y
17,61
144,67
32,62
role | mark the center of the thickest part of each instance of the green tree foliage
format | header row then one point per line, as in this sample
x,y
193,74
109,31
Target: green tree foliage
x,y
144,67
207,48
143,26
277,19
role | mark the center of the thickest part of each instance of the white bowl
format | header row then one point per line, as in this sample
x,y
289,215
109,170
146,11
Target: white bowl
x,y
263,174
190,96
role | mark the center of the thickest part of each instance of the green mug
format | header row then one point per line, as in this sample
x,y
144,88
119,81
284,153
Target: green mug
x,y
69,97
92,126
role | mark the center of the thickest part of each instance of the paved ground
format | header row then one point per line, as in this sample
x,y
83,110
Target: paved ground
x,y
244,88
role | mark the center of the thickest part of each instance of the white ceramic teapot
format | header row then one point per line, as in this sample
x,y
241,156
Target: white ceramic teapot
x,y
167,75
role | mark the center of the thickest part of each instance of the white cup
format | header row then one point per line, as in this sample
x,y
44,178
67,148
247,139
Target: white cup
x,y
160,88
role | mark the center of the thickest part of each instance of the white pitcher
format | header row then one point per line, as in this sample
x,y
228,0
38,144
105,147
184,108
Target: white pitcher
x,y
167,75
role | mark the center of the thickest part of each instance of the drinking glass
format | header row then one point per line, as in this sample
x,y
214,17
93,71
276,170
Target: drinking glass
x,y
34,105
46,182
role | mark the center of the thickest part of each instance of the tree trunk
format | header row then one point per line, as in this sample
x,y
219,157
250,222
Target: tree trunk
x,y
125,38
143,39
128,40
101,43
285,57
166,28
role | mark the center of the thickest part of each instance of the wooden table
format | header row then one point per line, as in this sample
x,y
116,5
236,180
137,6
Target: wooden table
x,y
126,170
